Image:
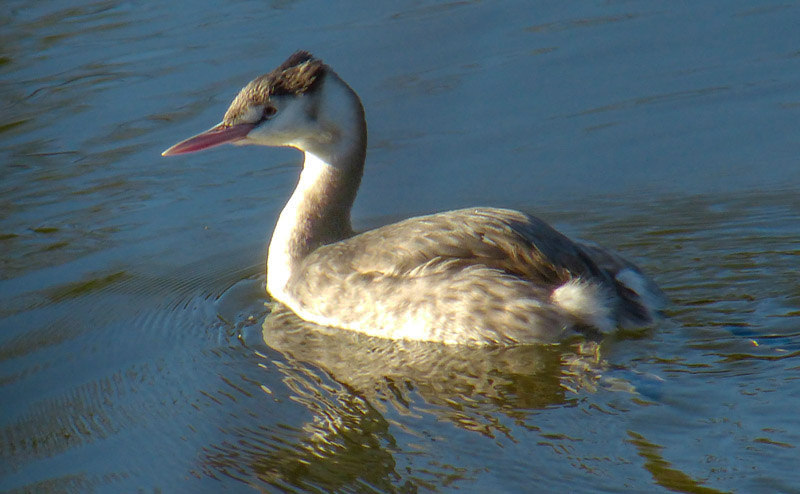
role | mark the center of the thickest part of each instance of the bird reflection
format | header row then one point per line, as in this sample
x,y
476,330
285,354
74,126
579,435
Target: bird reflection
x,y
455,382
371,401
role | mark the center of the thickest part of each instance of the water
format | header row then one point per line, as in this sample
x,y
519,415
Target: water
x,y
136,351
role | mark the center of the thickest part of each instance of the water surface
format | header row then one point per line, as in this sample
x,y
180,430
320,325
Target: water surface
x,y
139,352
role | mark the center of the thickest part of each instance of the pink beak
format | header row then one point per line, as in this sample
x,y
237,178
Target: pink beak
x,y
219,134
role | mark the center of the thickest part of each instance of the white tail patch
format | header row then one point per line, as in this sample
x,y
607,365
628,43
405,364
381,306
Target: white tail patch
x,y
649,295
587,302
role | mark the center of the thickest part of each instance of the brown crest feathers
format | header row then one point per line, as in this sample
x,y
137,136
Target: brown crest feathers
x,y
297,75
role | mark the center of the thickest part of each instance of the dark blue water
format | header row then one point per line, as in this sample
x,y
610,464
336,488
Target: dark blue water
x,y
136,354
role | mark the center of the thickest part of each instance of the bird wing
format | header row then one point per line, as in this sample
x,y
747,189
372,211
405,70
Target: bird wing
x,y
506,240
477,274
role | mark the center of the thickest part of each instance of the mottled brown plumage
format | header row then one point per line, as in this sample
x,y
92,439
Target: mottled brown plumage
x,y
484,274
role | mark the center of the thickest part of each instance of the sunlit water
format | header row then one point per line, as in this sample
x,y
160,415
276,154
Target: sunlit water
x,y
139,352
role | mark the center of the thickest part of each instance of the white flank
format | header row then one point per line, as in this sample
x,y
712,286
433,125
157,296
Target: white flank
x,y
586,302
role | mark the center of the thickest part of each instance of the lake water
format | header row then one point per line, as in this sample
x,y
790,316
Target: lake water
x,y
136,354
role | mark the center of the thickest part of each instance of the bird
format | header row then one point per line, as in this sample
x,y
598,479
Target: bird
x,y
474,276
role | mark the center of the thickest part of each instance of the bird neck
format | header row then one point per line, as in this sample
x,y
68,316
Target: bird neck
x,y
318,213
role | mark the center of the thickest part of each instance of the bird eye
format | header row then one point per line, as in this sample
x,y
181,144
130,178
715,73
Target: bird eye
x,y
268,112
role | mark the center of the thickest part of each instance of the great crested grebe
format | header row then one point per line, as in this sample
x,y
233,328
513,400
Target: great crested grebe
x,y
472,276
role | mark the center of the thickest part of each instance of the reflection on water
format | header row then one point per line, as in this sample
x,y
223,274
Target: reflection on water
x,y
354,385
461,378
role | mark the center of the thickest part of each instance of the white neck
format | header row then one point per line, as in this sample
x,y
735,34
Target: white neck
x,y
318,213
